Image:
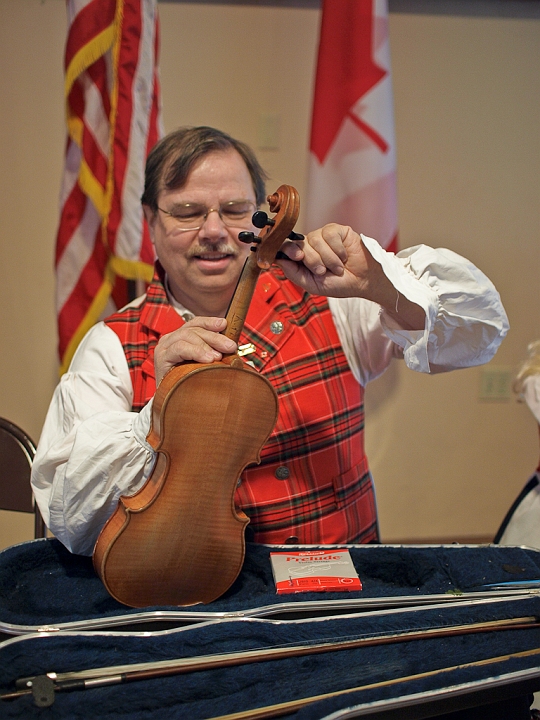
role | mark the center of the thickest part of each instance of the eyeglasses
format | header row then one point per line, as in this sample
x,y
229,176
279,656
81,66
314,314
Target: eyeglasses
x,y
192,216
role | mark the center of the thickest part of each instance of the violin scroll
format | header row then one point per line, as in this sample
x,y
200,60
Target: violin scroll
x,y
285,202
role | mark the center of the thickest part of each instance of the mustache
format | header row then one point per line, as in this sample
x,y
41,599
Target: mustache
x,y
222,248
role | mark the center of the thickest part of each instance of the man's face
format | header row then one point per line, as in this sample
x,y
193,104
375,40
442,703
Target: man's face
x,y
203,265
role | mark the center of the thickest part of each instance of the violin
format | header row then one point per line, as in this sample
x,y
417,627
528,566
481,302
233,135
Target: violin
x,y
180,540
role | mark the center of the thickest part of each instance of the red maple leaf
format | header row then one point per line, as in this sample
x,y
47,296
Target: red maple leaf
x,y
345,70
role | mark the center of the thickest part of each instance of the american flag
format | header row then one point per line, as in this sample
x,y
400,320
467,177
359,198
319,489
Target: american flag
x,y
113,119
352,171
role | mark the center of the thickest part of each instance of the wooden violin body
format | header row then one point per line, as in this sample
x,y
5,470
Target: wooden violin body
x,y
180,540
191,545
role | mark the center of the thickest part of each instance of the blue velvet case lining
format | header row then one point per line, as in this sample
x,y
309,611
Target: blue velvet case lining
x,y
41,583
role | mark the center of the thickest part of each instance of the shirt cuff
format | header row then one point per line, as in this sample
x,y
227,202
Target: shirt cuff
x,y
413,342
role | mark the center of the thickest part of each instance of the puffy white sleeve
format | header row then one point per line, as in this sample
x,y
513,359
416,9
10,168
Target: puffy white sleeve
x,y
92,448
465,319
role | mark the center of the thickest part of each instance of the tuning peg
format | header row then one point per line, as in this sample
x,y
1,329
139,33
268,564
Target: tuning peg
x,y
295,236
260,219
248,237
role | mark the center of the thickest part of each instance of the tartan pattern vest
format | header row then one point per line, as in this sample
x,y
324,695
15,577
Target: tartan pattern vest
x,y
313,485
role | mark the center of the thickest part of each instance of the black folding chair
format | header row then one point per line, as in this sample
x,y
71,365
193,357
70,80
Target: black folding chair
x,y
17,451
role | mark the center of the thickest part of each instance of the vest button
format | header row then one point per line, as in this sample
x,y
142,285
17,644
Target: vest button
x,y
276,327
293,540
282,472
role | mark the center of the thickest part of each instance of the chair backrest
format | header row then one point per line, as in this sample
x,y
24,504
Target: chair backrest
x,y
17,451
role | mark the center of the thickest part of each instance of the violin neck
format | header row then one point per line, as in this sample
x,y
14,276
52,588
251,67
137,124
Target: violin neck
x,y
241,299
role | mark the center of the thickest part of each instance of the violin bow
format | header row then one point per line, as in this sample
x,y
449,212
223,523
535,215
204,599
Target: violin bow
x,y
285,708
44,687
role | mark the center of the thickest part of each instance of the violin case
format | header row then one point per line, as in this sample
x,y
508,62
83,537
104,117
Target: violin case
x,y
56,616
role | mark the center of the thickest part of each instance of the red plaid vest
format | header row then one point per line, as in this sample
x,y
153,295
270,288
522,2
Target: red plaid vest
x,y
313,484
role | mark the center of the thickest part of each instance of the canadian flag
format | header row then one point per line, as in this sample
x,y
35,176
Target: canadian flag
x,y
352,168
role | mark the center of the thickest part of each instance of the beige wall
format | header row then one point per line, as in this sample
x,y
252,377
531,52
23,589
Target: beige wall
x,y
467,103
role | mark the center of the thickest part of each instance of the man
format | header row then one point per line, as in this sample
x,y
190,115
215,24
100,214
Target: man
x,y
320,326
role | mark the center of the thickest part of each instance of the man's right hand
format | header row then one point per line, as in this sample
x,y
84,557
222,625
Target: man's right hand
x,y
199,340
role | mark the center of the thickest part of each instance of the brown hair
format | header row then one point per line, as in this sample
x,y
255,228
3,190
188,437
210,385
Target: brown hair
x,y
172,158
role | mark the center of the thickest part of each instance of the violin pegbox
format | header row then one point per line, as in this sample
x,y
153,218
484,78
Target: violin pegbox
x,y
285,202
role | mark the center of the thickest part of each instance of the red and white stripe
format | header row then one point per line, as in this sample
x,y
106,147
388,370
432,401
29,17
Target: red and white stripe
x,y
113,119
